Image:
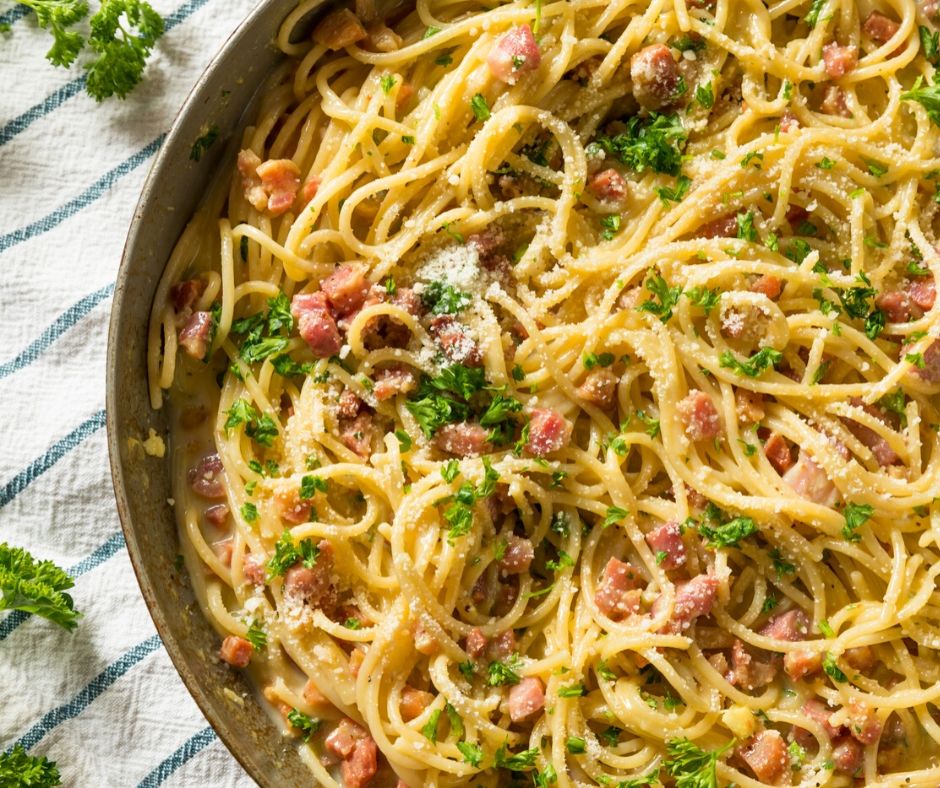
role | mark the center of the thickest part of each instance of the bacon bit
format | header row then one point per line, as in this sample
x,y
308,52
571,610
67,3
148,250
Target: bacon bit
x,y
549,431
791,626
618,594
834,102
313,696
314,585
896,305
357,433
414,702
339,30
749,405
315,323
503,645
809,481
476,643
516,53
848,755
864,724
194,336
236,651
517,557
839,60
526,698
254,571
349,404
383,39
693,599
722,227
699,417
817,711
779,453
878,446
880,28
455,341
346,288
802,663
768,284
766,754
425,640
667,538
922,291
356,657
608,185
931,8
206,477
789,122
223,550
861,658
405,92
358,750
309,190
290,507
392,380
655,76
696,500
280,179
463,439
184,294
599,388
931,369
248,163
217,515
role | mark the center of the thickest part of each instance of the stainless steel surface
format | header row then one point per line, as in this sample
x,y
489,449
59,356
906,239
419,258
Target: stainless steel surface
x,y
172,191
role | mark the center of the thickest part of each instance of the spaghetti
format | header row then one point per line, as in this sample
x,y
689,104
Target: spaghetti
x,y
554,394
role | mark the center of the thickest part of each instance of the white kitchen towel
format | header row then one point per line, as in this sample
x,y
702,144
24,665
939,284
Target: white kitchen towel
x,y
103,702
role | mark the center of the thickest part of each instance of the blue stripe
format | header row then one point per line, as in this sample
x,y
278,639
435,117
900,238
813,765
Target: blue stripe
x,y
50,457
52,332
58,97
15,14
98,557
192,747
91,691
92,193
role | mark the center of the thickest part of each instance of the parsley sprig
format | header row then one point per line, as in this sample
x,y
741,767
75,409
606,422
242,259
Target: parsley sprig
x,y
36,587
654,142
19,769
691,766
286,554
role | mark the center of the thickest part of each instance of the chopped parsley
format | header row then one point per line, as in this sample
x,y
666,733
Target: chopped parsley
x,y
286,554
249,512
856,515
309,485
203,143
256,636
450,470
37,587
572,691
306,725
430,727
575,745
261,428
674,194
654,142
705,95
815,9
930,43
746,231
753,366
667,297
832,669
728,534
17,768
690,765
592,360
614,515
387,81
481,110
703,297
928,96
517,762
472,753
444,299
500,674
265,334
611,225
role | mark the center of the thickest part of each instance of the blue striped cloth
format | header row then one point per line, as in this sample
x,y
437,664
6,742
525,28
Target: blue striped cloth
x,y
104,702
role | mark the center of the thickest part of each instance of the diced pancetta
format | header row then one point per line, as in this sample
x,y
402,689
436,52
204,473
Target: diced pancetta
x,y
526,698
930,372
608,185
779,453
847,755
314,585
766,753
698,415
801,663
315,323
206,477
818,712
476,643
357,433
426,641
655,76
860,657
358,751
808,480
839,60
751,668
248,163
503,645
599,388
236,651
463,439
897,306
393,380
254,571
291,507
217,515
834,102
413,702
339,29
514,54
749,405
455,340
789,122
922,291
194,335
879,447
880,28
310,188
280,179
722,227
183,295
517,556
791,626
768,284
864,724
693,599
618,593
549,431
346,289
666,541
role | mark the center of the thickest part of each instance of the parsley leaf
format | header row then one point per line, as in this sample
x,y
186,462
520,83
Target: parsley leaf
x,y
306,725
501,673
286,554
256,636
654,142
36,587
667,194
387,81
930,43
928,96
481,110
592,360
450,470
611,225
690,765
202,144
728,534
517,762
753,366
261,428
444,299
856,515
832,669
17,768
668,297
703,297
429,731
614,515
472,753
815,9
705,95
746,231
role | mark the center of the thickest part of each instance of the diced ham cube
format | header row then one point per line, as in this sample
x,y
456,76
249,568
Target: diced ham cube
x,y
880,28
280,179
751,670
693,599
236,651
864,723
768,284
549,431
848,755
455,341
516,53
608,185
896,305
789,122
314,585
358,750
599,388
749,405
349,404
861,658
766,754
224,550
922,291
518,556
779,453
490,245
526,698
930,372
809,481
356,433
254,571
414,702
463,439
206,477
802,663
312,694
184,294
818,712
834,102
618,593
699,417
722,227
931,8
248,163
839,60
346,289
667,539
315,323
194,335
356,657
310,188
291,507
217,515
476,643
426,641
655,76
792,626
339,29
503,645
393,380
883,452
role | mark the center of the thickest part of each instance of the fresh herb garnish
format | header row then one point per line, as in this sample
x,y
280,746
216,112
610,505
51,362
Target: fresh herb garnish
x,y
36,587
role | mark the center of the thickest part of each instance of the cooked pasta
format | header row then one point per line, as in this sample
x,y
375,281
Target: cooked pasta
x,y
554,394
